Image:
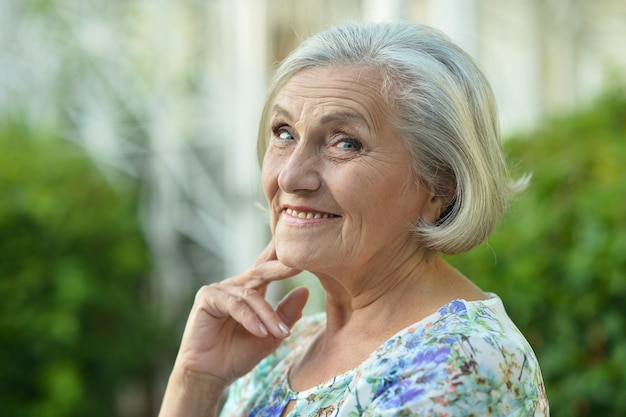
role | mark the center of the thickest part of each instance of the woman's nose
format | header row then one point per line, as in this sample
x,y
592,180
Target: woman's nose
x,y
300,174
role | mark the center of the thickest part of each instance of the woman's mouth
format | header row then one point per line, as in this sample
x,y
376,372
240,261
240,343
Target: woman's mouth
x,y
308,214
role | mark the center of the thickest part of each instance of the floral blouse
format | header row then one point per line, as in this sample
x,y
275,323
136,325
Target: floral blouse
x,y
467,359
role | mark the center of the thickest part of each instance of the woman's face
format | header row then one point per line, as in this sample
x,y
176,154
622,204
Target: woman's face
x,y
338,179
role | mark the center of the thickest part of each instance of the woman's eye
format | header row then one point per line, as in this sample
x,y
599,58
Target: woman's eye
x,y
284,135
349,144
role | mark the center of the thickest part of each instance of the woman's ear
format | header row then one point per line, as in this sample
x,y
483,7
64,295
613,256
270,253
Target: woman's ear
x,y
447,209
436,204
434,208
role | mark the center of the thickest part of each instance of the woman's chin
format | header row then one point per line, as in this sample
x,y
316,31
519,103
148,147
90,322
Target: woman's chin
x,y
296,260
292,261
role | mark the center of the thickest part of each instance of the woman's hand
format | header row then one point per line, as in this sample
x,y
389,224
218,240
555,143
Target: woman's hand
x,y
231,327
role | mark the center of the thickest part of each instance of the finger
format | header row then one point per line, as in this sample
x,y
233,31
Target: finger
x,y
261,275
222,302
272,271
249,307
290,307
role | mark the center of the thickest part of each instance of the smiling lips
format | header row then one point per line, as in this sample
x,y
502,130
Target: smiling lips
x,y
308,214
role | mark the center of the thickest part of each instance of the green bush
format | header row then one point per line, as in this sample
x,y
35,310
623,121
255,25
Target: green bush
x,y
558,259
75,326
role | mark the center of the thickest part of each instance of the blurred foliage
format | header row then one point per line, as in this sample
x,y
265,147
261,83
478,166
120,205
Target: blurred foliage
x,y
558,260
76,328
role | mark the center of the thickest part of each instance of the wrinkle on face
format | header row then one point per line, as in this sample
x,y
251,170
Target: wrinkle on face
x,y
374,189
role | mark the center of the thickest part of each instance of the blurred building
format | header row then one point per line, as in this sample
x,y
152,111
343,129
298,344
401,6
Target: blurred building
x,y
170,92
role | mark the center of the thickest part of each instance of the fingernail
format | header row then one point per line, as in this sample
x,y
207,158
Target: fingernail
x,y
283,329
263,329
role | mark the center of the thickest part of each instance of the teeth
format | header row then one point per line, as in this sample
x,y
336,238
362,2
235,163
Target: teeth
x,y
307,215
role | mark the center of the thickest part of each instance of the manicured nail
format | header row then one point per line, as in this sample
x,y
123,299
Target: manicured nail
x,y
283,329
263,329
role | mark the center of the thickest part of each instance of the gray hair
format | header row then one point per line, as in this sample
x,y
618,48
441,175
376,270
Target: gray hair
x,y
445,110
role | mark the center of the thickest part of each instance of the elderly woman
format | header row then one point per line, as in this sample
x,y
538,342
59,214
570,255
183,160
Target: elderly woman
x,y
379,151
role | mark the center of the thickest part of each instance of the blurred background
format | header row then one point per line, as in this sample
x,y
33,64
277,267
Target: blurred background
x,y
128,178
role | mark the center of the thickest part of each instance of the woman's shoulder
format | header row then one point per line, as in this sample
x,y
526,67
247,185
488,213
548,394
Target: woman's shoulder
x,y
471,328
463,320
466,350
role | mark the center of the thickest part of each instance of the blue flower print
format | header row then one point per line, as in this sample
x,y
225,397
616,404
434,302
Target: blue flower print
x,y
468,358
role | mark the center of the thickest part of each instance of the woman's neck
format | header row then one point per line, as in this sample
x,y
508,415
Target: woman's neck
x,y
365,316
388,299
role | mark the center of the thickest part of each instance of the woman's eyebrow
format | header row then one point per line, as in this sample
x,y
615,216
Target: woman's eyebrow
x,y
280,110
343,116
346,116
